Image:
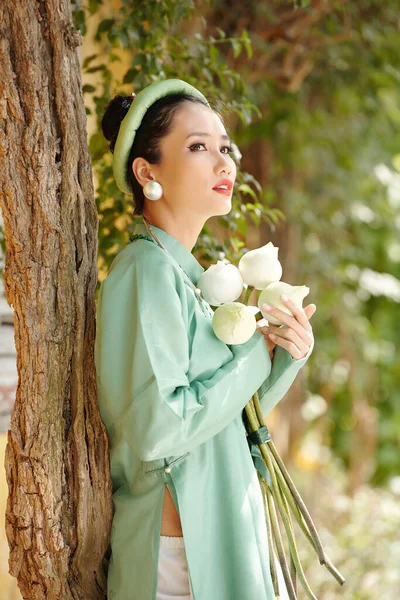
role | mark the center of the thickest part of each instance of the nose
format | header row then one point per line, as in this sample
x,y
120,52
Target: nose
x,y
223,165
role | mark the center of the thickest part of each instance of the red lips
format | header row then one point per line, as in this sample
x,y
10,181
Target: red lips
x,y
226,182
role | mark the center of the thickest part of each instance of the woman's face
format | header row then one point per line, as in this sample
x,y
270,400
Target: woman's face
x,y
192,165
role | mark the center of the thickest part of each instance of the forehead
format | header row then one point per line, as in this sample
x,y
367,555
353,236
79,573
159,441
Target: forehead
x,y
193,117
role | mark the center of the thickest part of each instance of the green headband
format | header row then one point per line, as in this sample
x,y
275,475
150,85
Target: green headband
x,y
133,118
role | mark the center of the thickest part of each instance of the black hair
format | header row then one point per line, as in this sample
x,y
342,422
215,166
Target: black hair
x,y
155,124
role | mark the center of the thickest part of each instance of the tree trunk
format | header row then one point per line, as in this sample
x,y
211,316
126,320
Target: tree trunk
x,y
59,507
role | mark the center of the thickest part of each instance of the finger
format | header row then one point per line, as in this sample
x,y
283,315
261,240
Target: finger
x,y
265,331
270,329
289,346
291,341
298,313
310,310
298,321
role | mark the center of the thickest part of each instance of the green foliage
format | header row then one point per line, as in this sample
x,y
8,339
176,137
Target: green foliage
x,y
335,148
153,32
333,169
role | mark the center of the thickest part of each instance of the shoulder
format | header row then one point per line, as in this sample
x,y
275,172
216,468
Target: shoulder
x,y
147,261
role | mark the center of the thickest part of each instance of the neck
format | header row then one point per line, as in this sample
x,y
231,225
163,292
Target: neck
x,y
178,228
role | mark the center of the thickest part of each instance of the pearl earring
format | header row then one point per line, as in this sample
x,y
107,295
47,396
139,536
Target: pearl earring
x,y
153,190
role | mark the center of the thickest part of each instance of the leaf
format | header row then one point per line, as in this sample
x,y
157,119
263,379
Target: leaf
x,y
247,43
105,25
114,57
129,75
249,49
237,47
86,89
95,69
246,189
88,60
213,56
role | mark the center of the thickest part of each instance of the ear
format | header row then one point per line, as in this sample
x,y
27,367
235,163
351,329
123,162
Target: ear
x,y
141,170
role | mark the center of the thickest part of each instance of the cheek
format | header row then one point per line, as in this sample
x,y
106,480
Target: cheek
x,y
185,181
191,172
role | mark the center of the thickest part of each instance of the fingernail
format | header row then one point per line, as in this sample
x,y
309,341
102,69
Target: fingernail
x,y
284,297
267,306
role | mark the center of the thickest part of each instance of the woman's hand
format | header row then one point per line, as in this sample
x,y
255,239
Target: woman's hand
x,y
297,336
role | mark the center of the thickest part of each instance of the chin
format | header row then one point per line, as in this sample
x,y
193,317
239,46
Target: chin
x,y
227,208
222,208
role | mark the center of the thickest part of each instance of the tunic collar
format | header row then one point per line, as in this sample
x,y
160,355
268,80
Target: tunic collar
x,y
181,254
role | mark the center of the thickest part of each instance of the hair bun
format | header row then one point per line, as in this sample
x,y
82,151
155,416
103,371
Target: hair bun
x,y
113,117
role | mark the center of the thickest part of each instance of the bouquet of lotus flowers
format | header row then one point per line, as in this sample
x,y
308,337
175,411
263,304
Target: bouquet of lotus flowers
x,y
234,322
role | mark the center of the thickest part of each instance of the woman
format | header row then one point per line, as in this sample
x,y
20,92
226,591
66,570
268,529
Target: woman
x,y
188,513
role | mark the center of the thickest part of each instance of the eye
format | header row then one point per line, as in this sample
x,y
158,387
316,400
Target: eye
x,y
229,149
194,145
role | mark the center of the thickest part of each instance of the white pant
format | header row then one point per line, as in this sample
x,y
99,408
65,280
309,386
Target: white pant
x,y
173,573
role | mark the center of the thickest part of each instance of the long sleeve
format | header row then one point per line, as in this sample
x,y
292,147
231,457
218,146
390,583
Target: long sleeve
x,y
143,362
283,373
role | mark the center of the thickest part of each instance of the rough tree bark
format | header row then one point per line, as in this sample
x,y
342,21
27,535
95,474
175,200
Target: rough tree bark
x,y
59,506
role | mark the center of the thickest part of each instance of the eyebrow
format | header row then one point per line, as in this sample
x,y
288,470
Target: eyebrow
x,y
225,137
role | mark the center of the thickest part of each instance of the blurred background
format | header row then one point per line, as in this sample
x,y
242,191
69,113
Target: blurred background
x,y
310,95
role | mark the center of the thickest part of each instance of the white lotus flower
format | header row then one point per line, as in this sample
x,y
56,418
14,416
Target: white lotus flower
x,y
220,283
234,323
261,266
272,293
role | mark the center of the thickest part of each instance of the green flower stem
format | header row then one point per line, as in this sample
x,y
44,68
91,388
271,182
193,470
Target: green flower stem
x,y
303,524
293,574
272,565
253,420
289,489
298,514
334,571
285,519
254,423
286,495
305,521
295,509
300,503
245,295
302,507
251,414
279,544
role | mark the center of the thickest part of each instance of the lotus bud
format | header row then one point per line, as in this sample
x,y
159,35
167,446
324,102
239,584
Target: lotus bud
x,y
220,283
261,266
272,295
234,323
